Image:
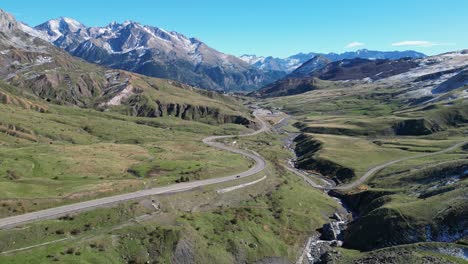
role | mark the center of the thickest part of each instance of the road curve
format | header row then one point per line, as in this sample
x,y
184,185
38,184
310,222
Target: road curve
x,y
55,212
369,173
307,178
380,167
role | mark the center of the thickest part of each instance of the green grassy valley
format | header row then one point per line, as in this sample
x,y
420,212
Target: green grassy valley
x,y
201,225
68,154
355,156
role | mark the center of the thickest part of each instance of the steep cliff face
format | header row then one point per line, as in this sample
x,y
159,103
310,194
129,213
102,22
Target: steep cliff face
x,y
386,226
430,208
307,148
415,127
141,105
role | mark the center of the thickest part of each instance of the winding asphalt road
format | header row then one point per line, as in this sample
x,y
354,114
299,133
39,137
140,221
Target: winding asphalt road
x,y
259,166
56,212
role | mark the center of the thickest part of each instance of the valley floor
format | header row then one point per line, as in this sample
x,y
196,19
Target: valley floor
x,y
267,214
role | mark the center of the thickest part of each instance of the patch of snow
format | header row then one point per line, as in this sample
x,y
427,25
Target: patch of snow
x,y
35,33
434,64
252,59
72,24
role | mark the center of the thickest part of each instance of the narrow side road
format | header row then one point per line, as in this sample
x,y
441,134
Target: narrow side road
x,y
55,212
372,171
380,167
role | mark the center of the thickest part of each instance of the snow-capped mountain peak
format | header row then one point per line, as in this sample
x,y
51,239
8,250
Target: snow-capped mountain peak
x,y
59,27
154,51
252,59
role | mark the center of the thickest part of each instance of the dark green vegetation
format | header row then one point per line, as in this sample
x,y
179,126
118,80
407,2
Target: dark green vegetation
x,y
307,148
289,87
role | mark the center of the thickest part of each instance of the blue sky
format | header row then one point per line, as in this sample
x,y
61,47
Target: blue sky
x,y
278,28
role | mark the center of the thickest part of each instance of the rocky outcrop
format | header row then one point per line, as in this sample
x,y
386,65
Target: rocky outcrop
x,y
331,236
183,253
381,225
331,130
310,67
7,22
144,106
18,132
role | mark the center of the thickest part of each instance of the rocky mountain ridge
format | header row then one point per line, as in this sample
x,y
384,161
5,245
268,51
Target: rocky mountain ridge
x,y
154,52
36,69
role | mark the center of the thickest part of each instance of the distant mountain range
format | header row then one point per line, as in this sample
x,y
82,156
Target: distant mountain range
x,y
154,52
426,76
159,53
291,63
354,69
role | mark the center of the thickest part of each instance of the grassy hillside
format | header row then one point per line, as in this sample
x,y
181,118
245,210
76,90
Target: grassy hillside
x,y
267,220
60,154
